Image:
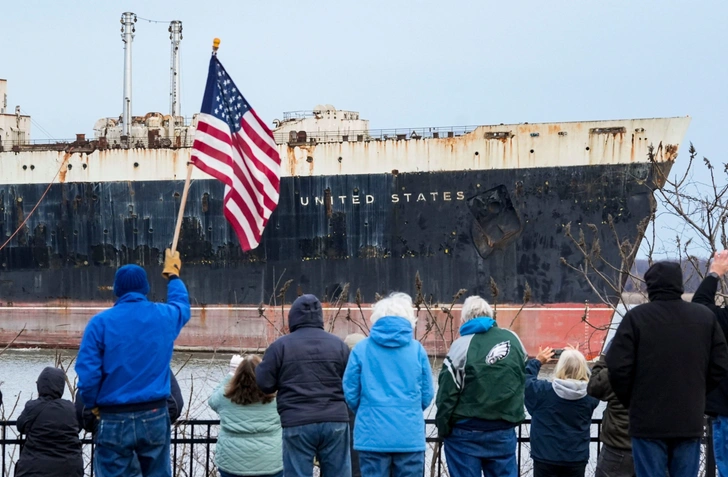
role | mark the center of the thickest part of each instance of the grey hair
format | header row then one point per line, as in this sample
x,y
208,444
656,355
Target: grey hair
x,y
396,304
475,307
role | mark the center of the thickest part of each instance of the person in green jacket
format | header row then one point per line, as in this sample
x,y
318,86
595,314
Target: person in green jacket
x,y
250,440
481,395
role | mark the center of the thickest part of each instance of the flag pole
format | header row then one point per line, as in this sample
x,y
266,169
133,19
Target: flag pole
x,y
188,179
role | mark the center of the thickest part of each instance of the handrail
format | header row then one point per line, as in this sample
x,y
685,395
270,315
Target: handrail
x,y
281,137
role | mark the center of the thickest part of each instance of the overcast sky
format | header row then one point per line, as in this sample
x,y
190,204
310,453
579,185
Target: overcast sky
x,y
400,63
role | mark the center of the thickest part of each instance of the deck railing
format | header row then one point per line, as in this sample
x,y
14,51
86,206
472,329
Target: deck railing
x,y
281,137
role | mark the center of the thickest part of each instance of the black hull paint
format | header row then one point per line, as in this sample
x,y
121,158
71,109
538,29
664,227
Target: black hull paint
x,y
505,224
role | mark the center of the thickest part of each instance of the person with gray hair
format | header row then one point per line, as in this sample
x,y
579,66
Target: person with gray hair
x,y
480,395
388,384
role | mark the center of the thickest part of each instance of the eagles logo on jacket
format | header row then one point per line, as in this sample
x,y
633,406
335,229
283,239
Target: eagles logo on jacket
x,y
483,377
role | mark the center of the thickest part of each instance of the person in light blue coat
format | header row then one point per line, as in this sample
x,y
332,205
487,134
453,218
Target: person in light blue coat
x,y
388,384
250,442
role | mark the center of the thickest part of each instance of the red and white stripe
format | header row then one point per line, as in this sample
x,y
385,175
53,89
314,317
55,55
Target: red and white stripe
x,y
247,162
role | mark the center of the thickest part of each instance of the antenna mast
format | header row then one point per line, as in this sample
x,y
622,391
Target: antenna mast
x,y
175,35
128,20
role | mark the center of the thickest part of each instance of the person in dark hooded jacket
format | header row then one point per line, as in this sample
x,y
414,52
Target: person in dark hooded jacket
x,y
306,368
52,447
665,357
716,405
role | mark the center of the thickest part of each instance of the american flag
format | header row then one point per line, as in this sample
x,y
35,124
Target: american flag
x,y
233,145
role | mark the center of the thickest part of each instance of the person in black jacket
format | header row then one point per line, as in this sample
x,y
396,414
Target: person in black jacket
x,y
665,357
52,447
716,405
175,403
306,368
615,459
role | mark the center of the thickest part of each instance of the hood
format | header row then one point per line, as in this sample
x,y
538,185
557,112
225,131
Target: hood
x,y
305,312
570,389
477,325
391,332
664,281
51,383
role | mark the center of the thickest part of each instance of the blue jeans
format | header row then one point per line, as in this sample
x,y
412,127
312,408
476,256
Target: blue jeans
x,y
226,474
468,453
655,457
394,464
720,444
329,441
123,439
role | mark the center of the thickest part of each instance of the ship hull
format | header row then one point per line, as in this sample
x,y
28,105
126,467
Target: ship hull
x,y
345,238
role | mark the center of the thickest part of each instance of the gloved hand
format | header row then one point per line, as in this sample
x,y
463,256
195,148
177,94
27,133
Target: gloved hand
x,y
172,264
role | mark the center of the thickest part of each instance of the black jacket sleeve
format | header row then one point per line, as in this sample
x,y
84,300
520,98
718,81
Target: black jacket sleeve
x,y
718,359
621,359
705,295
599,386
26,418
175,402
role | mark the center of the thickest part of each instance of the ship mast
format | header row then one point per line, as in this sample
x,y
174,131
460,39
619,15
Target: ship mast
x,y
128,20
175,35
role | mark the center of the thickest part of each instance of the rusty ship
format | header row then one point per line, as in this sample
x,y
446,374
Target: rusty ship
x,y
362,212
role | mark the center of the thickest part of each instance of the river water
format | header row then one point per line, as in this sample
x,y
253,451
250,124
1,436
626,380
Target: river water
x,y
197,373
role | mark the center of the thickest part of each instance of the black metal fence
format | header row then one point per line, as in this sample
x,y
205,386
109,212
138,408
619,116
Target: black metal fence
x,y
193,448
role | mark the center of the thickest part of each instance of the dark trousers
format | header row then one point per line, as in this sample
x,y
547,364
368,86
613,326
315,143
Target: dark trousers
x,y
545,469
615,462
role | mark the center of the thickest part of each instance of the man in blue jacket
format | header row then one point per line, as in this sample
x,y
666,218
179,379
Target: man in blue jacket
x,y
123,372
306,367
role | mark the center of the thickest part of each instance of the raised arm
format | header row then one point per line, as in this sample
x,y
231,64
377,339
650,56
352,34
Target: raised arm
x,y
179,300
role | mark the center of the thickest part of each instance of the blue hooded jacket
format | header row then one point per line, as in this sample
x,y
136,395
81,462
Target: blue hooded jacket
x,y
126,350
388,383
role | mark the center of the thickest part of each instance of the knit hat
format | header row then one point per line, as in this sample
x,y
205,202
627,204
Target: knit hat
x,y
235,362
130,278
